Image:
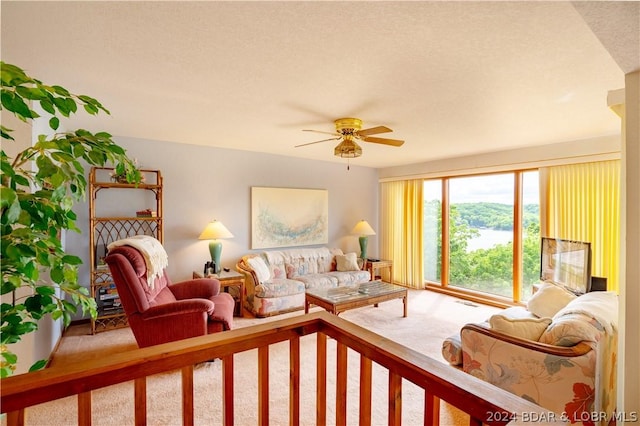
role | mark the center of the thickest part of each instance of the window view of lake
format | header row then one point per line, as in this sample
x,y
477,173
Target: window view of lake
x,y
480,229
489,238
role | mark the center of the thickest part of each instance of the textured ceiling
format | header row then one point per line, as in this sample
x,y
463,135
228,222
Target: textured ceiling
x,y
450,78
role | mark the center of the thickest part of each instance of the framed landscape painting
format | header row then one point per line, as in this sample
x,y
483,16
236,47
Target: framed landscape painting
x,y
289,217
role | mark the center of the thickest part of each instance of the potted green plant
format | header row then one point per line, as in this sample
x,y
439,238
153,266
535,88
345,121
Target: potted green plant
x,y
38,189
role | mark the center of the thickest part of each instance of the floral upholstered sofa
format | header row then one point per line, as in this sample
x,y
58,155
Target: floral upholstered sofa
x,y
559,352
276,280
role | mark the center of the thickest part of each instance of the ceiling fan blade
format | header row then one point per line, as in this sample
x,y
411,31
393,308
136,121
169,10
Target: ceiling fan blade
x,y
374,131
320,131
311,143
384,141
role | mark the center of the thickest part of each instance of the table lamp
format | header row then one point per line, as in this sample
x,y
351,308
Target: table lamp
x,y
214,231
363,229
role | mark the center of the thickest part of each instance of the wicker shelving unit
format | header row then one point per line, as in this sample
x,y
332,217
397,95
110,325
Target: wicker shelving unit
x,y
119,221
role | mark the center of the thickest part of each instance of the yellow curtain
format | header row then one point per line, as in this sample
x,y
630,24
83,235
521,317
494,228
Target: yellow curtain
x,y
582,202
401,237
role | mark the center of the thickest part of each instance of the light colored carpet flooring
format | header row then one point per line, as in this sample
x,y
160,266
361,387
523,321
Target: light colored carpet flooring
x,y
432,318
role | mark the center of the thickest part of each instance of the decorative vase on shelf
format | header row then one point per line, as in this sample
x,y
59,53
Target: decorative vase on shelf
x,y
123,178
119,179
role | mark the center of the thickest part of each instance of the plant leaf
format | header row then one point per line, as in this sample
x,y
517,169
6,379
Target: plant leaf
x,y
47,105
72,260
38,365
12,214
54,123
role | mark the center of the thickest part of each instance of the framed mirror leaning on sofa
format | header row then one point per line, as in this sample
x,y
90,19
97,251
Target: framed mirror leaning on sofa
x,y
566,263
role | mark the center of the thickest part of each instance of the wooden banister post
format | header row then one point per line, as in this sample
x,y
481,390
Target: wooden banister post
x,y
321,379
227,390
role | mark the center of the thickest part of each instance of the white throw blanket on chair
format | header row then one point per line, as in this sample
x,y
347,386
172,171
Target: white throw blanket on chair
x,y
154,254
599,305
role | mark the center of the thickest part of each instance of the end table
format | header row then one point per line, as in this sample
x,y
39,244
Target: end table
x,y
229,279
372,265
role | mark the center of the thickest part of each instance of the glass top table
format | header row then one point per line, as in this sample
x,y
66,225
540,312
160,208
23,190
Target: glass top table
x,y
340,299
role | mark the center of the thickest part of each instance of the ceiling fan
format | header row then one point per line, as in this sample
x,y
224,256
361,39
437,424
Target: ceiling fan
x,y
348,131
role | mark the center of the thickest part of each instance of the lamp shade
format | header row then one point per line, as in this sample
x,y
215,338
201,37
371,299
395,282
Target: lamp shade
x,y
363,228
214,231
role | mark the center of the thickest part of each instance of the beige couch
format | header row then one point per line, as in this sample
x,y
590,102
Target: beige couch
x,y
276,280
559,352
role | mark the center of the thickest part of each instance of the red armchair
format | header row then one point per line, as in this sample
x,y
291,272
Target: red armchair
x,y
167,312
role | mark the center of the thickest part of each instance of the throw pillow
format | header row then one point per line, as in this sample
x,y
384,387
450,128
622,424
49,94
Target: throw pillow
x,y
347,262
452,349
260,268
548,300
571,329
516,312
298,269
526,328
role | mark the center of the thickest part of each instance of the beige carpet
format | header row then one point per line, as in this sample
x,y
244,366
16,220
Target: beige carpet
x,y
432,317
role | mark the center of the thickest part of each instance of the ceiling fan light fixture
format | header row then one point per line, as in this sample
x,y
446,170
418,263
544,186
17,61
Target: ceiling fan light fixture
x,y
347,149
349,130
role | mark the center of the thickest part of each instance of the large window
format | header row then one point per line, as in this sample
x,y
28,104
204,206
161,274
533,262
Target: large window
x,y
477,219
530,233
481,233
432,228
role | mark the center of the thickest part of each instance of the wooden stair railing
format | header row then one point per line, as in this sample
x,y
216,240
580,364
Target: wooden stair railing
x,y
482,401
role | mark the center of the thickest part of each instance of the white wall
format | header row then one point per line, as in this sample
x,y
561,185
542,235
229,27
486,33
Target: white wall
x,y
203,183
629,373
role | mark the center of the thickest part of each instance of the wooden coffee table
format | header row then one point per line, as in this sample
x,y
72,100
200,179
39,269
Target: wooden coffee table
x,y
340,299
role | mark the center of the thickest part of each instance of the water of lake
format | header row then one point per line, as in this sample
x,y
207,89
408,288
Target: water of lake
x,y
489,238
